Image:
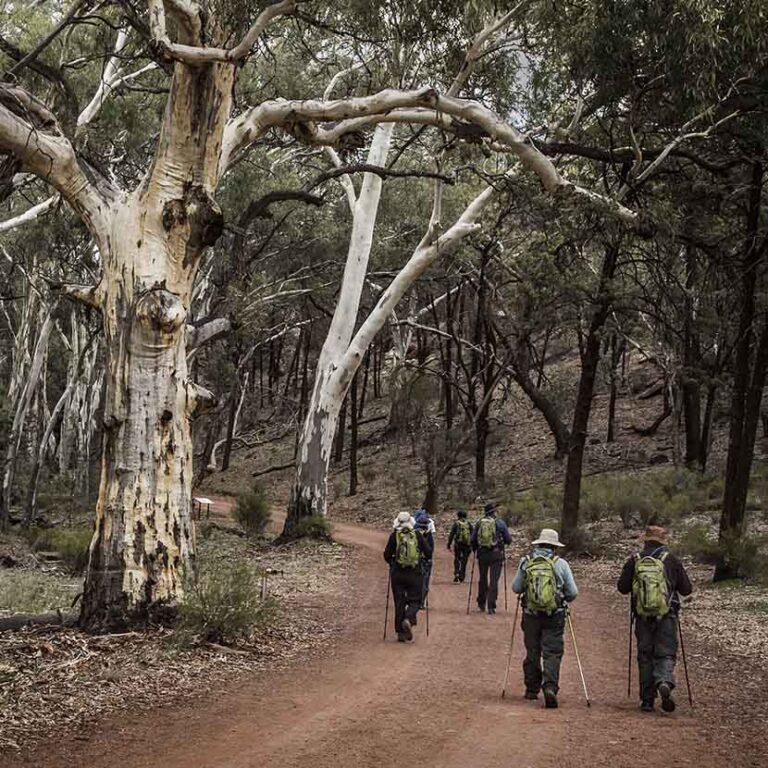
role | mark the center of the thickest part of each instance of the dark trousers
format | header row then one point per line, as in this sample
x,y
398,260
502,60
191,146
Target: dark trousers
x,y
461,555
656,653
544,641
490,563
406,591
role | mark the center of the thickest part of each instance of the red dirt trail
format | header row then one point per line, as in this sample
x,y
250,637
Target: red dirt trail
x,y
432,704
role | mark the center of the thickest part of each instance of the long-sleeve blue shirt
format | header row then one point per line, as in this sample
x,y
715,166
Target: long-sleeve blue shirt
x,y
566,584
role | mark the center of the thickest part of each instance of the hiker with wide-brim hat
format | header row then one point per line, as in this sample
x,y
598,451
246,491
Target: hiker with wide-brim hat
x,y
460,537
490,536
405,552
545,583
656,579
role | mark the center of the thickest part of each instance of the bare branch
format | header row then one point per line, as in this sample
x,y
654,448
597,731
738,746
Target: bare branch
x,y
30,215
195,55
208,332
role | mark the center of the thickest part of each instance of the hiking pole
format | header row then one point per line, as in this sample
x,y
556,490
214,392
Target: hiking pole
x,y
471,579
426,605
386,610
506,608
629,660
685,661
511,646
578,660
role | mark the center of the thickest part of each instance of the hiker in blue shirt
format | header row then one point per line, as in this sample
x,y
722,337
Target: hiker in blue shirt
x,y
490,536
545,583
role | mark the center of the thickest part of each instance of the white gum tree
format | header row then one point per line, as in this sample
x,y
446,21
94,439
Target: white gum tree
x,y
151,238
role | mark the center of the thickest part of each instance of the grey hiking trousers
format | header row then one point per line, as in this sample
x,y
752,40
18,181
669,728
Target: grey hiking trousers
x,y
544,643
656,653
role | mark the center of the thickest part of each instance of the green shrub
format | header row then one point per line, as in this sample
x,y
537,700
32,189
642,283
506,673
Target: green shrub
x,y
224,605
71,543
252,511
697,543
314,527
748,551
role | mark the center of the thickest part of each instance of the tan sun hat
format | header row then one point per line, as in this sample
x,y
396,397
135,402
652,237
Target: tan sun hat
x,y
656,533
548,537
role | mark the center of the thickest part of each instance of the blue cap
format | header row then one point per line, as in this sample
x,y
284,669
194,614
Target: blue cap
x,y
422,519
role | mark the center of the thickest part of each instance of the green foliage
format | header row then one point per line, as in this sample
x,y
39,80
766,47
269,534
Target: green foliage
x,y
252,511
314,527
71,543
701,543
35,591
224,605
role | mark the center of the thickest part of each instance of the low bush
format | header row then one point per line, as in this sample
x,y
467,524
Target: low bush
x,y
701,544
71,543
224,604
314,527
252,511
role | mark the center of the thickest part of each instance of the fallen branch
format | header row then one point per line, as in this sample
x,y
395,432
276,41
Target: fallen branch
x,y
53,618
279,468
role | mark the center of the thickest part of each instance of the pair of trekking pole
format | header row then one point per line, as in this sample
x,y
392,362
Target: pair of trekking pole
x,y
575,650
472,578
682,649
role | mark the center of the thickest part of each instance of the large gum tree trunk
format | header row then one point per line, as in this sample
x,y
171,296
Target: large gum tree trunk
x,y
143,544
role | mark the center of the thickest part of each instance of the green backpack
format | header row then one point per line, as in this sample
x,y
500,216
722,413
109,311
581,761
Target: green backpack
x,y
649,587
407,550
486,533
463,531
541,584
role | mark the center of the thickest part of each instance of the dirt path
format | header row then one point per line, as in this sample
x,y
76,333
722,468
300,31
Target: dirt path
x,y
434,703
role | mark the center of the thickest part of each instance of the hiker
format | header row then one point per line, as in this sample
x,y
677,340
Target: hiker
x,y
405,552
545,584
656,579
490,536
461,538
425,528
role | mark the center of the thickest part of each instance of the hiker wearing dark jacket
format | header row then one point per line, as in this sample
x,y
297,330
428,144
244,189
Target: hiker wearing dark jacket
x,y
544,576
404,552
461,538
656,634
425,528
489,542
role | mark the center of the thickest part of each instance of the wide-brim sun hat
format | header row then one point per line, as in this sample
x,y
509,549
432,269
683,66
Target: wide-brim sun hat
x,y
548,537
656,533
404,520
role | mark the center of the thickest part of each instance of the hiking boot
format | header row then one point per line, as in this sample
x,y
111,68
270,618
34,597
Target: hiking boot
x,y
550,698
400,637
407,631
456,579
646,706
667,702
491,611
531,695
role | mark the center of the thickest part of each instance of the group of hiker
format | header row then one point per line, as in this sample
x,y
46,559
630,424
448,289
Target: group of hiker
x,y
545,585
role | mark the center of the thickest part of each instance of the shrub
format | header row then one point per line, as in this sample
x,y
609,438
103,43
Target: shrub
x,y
697,543
224,605
748,551
314,527
71,543
252,511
